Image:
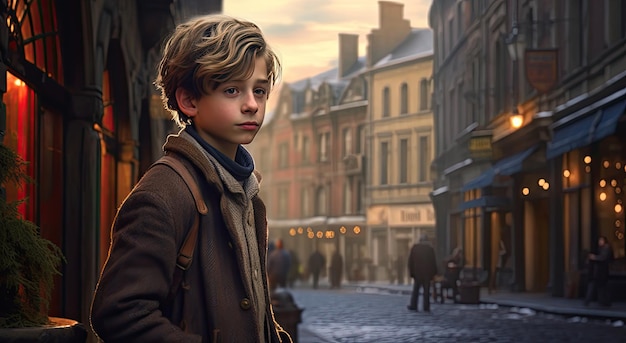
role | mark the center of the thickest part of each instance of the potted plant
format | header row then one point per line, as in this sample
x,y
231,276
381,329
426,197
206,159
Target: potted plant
x,y
28,263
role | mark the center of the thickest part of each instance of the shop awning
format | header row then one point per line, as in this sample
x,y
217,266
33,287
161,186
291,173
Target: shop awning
x,y
571,136
608,121
487,201
506,166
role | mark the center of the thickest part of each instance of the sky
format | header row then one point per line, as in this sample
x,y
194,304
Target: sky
x,y
305,34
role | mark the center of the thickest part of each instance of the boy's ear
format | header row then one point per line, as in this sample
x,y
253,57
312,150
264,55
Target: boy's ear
x,y
186,102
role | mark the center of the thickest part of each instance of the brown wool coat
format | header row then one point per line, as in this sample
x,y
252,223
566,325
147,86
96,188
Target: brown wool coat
x,y
214,303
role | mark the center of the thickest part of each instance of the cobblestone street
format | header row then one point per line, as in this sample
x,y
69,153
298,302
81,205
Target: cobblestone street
x,y
350,315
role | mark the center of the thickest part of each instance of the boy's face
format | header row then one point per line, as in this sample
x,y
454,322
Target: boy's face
x,y
232,114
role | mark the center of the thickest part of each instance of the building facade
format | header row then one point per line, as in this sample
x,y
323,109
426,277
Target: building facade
x,y
80,107
400,141
320,152
529,111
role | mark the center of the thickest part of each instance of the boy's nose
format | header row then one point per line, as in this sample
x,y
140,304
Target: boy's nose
x,y
250,104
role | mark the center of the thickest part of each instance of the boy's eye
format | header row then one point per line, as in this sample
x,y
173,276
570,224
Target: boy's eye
x,y
260,91
230,90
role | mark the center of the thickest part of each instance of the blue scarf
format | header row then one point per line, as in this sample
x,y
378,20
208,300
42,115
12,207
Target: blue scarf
x,y
241,168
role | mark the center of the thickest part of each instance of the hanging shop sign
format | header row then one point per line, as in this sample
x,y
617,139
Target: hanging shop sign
x,y
542,68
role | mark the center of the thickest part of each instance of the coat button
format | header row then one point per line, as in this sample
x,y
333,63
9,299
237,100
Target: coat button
x,y
245,303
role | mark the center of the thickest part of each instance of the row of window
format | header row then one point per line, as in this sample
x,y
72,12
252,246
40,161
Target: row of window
x,y
404,99
404,158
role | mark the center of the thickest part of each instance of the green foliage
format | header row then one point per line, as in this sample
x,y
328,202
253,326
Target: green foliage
x,y
28,262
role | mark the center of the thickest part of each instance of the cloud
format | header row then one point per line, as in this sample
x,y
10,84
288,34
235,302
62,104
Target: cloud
x,y
305,36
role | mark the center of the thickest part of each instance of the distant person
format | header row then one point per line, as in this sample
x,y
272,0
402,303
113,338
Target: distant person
x,y
316,264
422,268
336,269
400,268
294,269
598,274
453,270
278,264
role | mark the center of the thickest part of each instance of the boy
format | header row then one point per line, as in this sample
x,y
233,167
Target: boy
x,y
215,77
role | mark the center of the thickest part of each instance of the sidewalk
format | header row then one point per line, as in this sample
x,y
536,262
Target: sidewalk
x,y
541,302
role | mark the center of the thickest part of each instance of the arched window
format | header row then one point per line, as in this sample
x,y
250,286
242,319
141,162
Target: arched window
x,y
386,102
404,99
423,94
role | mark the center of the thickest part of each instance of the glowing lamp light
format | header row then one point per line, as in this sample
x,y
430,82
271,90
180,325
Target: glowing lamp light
x,y
517,120
545,186
342,229
310,234
292,232
541,182
618,208
614,183
602,183
566,173
587,159
320,234
300,230
525,191
602,196
357,229
606,164
588,169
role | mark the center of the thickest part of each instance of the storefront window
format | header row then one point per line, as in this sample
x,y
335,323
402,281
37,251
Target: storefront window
x,y
609,193
20,136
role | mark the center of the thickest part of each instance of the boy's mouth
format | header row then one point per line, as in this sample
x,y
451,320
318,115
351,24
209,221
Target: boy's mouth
x,y
249,125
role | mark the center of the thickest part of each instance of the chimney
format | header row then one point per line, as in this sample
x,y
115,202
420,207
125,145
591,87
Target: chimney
x,y
348,52
393,29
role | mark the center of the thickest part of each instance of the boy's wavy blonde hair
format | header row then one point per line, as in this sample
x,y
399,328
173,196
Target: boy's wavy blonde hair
x,y
207,51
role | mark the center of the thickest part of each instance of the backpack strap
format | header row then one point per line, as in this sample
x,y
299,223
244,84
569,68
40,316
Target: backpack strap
x,y
185,254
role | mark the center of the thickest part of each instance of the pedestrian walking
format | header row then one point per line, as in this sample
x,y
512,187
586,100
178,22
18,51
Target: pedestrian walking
x,y
294,269
598,274
317,263
278,264
215,76
336,269
400,268
422,268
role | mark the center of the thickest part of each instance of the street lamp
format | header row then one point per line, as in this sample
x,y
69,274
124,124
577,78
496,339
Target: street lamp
x,y
516,46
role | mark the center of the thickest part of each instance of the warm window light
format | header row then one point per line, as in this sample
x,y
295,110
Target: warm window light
x,y
602,196
545,186
541,182
566,173
18,83
587,159
525,191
